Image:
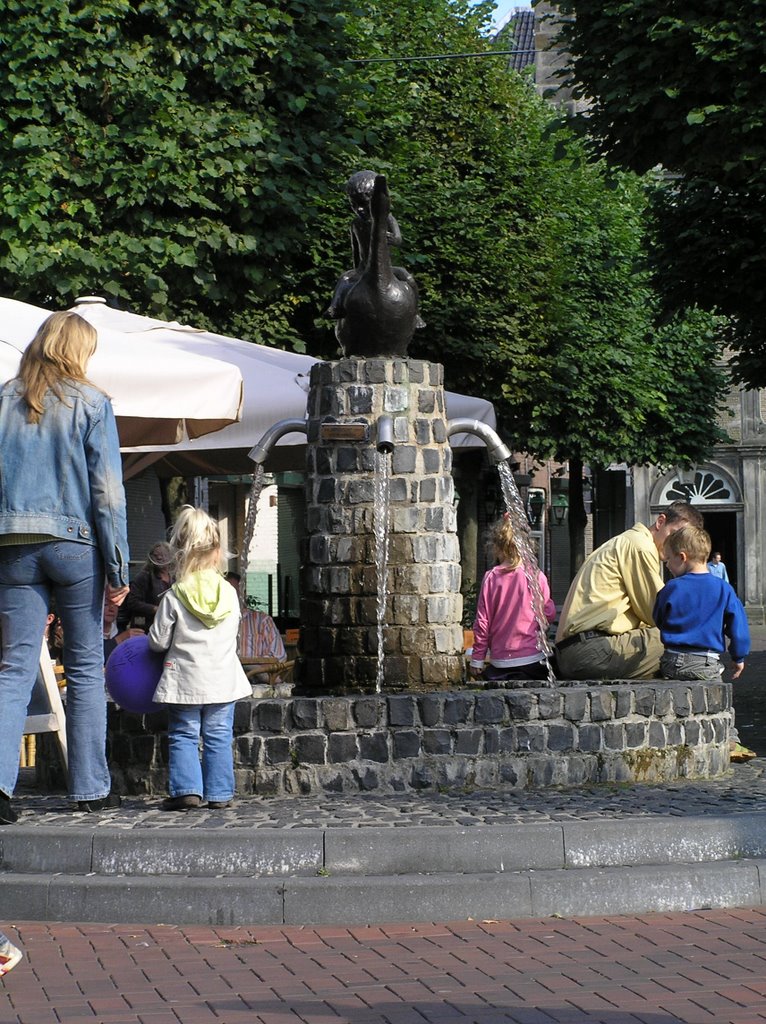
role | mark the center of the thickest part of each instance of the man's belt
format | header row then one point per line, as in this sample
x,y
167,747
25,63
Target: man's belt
x,y
578,638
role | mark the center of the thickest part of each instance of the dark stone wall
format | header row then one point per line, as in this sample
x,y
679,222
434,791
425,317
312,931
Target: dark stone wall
x,y
569,735
423,635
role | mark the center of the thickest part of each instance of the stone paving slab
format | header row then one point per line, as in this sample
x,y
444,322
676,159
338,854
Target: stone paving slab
x,y
744,790
697,968
626,842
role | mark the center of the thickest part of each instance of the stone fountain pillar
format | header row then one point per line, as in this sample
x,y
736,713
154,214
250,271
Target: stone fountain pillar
x,y
423,634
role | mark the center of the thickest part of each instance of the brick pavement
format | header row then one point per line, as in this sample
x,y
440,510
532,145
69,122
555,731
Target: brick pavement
x,y
699,967
695,968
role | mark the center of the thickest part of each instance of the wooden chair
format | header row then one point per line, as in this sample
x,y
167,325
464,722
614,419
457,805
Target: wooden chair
x,y
28,756
46,712
272,667
290,638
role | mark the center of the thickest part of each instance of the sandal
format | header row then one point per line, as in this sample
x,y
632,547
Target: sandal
x,y
9,957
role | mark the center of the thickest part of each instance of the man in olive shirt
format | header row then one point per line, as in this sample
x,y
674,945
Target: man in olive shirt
x,y
606,630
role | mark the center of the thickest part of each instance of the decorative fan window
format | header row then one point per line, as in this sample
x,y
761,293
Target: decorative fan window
x,y
706,487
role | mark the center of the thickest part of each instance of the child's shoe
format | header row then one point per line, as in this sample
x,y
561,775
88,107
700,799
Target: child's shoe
x,y
9,957
182,803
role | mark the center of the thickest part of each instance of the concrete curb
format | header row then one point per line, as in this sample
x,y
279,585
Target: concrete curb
x,y
652,888
164,899
376,899
380,851
370,875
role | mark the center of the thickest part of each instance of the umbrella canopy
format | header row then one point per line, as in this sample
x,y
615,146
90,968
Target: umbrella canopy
x,y
161,396
275,388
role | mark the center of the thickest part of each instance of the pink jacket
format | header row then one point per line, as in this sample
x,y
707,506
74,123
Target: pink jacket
x,y
505,621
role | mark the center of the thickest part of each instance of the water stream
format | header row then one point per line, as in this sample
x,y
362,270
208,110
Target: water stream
x,y
252,511
381,516
518,513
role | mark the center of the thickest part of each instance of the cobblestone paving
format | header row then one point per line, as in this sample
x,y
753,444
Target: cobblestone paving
x,y
743,791
696,968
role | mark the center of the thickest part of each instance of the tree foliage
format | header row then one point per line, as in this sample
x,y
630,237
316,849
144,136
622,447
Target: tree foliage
x,y
172,156
681,86
531,257
189,161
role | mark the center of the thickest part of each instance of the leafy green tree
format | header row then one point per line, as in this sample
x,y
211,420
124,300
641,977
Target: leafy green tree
x,y
174,157
531,257
453,136
189,161
681,87
618,385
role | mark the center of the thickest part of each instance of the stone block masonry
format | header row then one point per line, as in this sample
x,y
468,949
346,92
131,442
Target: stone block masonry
x,y
570,735
339,590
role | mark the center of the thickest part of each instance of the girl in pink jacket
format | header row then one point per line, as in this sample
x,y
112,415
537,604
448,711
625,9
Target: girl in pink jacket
x,y
506,630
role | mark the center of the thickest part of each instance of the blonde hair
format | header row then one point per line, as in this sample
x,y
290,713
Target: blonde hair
x,y
195,542
59,351
504,541
693,541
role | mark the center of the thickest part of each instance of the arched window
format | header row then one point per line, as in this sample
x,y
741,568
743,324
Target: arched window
x,y
707,487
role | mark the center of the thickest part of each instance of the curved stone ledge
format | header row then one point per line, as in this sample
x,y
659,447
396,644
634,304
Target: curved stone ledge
x,y
568,735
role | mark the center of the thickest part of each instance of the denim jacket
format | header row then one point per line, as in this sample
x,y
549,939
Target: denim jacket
x,y
62,476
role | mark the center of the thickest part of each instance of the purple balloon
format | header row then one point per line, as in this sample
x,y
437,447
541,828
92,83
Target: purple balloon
x,y
132,675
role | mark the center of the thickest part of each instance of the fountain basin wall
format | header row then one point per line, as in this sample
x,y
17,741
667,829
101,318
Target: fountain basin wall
x,y
569,735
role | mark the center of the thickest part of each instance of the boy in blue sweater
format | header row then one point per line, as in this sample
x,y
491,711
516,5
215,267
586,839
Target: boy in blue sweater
x,y
696,611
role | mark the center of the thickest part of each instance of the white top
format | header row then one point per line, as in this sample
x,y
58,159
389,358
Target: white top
x,y
201,665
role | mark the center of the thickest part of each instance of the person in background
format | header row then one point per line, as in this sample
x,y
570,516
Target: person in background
x,y
63,537
717,568
505,622
109,626
202,679
258,635
606,630
9,955
140,606
54,635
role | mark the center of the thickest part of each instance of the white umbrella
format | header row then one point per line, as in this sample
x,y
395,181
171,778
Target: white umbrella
x,y
160,396
275,388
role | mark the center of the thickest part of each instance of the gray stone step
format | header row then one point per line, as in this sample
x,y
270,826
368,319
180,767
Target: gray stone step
x,y
375,874
370,899
371,850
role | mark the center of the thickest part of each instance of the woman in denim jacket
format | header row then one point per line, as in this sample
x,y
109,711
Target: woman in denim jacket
x,y
62,536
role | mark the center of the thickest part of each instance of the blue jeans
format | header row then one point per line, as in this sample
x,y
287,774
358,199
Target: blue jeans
x,y
73,574
213,779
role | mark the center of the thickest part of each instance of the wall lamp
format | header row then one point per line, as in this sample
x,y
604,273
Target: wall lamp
x,y
559,509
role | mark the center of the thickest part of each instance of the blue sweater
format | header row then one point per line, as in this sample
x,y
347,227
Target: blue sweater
x,y
697,611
